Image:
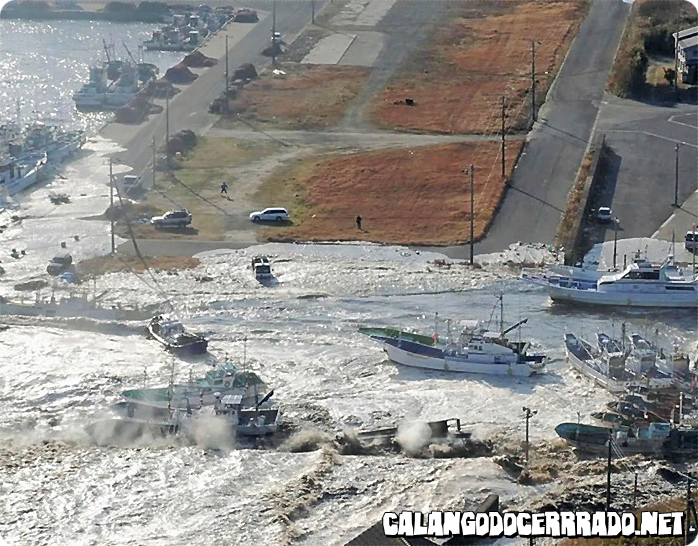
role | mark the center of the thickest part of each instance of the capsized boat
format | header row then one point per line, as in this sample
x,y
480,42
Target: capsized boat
x,y
640,284
174,337
658,439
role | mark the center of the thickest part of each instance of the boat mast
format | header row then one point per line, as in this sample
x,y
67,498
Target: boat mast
x,y
19,115
436,326
244,353
501,314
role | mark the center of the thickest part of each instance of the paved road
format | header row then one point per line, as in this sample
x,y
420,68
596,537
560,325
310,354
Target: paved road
x,y
189,109
640,178
546,172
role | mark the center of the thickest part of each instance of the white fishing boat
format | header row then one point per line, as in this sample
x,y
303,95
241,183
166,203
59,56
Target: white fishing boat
x,y
38,138
124,89
641,284
18,174
92,94
74,305
610,366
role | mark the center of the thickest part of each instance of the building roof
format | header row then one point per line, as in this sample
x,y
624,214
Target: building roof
x,y
688,43
687,33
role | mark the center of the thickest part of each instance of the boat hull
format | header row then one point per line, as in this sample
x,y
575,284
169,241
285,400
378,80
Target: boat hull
x,y
436,361
628,299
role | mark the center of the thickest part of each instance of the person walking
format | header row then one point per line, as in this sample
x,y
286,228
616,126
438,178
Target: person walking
x,y
358,222
224,189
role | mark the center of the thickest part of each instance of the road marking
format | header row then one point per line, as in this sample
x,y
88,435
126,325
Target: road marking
x,y
666,222
653,135
672,120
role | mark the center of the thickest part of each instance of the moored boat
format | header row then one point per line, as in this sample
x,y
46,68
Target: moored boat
x,y
658,439
640,284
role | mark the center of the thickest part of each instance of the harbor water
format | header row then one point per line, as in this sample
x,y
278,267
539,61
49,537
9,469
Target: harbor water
x,y
299,334
42,63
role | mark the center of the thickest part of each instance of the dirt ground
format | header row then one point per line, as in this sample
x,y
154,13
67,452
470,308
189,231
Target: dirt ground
x,y
406,196
196,186
307,97
94,267
484,54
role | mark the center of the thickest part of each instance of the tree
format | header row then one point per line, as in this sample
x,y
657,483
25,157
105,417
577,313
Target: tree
x,y
670,75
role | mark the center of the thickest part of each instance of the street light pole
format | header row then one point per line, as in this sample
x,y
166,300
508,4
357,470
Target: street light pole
x,y
615,242
608,471
167,130
676,176
528,413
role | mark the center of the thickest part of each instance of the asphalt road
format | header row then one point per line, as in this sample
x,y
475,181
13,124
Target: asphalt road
x,y
189,109
639,181
545,173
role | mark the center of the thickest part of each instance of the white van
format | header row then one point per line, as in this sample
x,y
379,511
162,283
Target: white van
x,y
130,181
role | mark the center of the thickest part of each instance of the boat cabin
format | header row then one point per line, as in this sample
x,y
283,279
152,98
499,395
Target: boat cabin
x,y
643,270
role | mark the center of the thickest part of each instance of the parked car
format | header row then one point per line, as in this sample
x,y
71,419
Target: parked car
x,y
691,239
59,264
270,215
172,219
604,214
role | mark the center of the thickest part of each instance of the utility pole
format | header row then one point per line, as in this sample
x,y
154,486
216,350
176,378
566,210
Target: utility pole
x,y
608,471
690,511
676,176
312,12
533,83
111,207
504,148
273,18
615,242
167,130
154,151
635,492
227,74
227,67
693,250
472,212
528,413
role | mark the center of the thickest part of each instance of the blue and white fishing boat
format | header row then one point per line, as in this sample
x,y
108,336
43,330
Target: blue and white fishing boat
x,y
18,174
641,284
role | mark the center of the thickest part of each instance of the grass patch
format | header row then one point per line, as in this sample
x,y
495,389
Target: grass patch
x,y
221,152
565,235
94,267
405,196
481,55
307,97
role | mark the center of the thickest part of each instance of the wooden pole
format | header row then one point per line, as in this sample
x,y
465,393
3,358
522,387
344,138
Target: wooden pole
x,y
533,82
504,149
608,472
167,130
154,151
111,208
472,214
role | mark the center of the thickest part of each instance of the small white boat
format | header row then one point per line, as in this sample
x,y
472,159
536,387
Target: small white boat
x,y
641,284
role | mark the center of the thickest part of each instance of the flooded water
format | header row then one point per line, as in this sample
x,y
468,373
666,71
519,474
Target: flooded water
x,y
43,63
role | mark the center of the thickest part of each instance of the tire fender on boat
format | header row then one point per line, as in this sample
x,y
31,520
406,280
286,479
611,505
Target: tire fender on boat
x,y
227,384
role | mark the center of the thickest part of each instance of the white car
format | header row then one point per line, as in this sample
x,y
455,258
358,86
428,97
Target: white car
x,y
174,218
604,214
270,215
